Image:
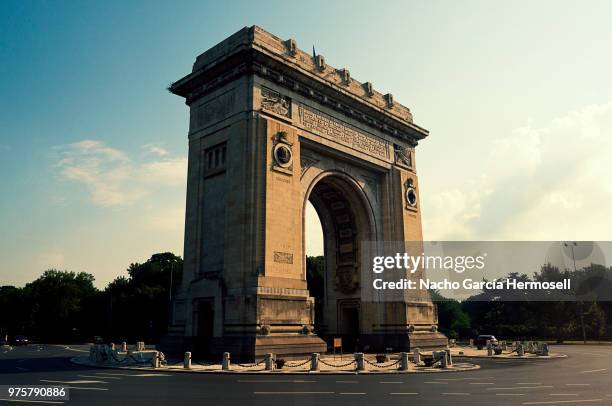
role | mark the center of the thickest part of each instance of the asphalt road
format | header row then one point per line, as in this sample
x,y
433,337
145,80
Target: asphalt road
x,y
585,377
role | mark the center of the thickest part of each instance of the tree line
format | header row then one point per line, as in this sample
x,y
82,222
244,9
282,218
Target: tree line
x,y
63,306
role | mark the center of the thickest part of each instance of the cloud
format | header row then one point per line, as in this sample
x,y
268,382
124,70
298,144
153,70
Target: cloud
x,y
549,183
155,149
111,177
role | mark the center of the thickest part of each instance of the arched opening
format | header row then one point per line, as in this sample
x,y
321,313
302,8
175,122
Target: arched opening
x,y
337,219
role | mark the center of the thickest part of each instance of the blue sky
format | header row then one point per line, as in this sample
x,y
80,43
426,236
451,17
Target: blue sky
x,y
517,96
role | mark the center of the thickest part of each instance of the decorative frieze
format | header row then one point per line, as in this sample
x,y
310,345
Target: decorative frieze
x,y
343,133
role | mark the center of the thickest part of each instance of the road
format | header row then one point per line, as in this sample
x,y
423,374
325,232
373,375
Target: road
x,y
585,377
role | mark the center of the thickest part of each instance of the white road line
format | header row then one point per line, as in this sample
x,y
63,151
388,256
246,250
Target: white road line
x,y
528,383
438,383
53,402
464,379
593,370
103,374
481,383
352,393
293,393
562,394
455,393
390,382
94,376
403,393
578,384
509,394
72,382
554,402
272,381
522,387
84,388
347,381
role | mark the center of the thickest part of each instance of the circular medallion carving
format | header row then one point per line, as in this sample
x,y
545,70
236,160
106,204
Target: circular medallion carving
x,y
411,196
283,155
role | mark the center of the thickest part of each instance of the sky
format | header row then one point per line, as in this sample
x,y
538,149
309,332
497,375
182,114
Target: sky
x,y
517,97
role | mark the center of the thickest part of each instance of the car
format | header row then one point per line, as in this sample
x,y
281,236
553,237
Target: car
x,y
481,341
20,340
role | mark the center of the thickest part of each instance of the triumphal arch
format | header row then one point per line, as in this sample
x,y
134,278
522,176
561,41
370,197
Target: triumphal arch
x,y
272,127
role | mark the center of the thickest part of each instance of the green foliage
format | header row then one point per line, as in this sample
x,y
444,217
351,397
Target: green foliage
x,y
64,306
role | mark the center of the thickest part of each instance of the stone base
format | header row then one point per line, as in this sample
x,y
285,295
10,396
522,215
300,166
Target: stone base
x,y
424,340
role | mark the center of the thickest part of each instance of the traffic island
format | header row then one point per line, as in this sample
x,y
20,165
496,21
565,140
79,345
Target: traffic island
x,y
399,363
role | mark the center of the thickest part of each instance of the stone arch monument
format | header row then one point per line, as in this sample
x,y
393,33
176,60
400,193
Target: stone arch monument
x,y
272,127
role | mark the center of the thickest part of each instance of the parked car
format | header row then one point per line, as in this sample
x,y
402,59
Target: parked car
x,y
481,341
20,340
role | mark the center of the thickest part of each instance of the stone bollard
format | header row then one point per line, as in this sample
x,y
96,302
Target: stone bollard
x,y
359,364
489,348
155,360
544,350
504,346
452,342
269,361
520,351
314,361
124,346
471,343
187,360
225,363
449,356
416,356
403,361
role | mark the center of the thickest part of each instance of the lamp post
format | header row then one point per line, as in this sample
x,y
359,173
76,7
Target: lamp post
x,y
571,245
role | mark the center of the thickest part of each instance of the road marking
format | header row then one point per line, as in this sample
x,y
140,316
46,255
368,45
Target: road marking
x,y
109,374
347,381
509,394
439,383
528,383
102,375
150,375
455,393
554,402
84,388
522,387
22,368
562,394
593,370
72,382
272,381
352,393
94,376
33,401
390,382
578,384
293,393
464,379
403,393
481,383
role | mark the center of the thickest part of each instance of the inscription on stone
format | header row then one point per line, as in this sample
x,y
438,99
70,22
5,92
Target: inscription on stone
x,y
335,130
283,257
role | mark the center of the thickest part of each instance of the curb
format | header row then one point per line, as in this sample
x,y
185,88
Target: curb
x,y
86,362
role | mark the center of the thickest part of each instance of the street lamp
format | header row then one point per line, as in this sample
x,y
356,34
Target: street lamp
x,y
571,245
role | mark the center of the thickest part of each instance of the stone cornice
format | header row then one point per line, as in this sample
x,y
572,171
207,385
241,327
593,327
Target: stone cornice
x,y
254,51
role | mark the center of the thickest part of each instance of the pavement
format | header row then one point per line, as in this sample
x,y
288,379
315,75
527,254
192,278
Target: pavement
x,y
584,377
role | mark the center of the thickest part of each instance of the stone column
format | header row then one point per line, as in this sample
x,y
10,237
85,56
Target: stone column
x,y
416,356
489,348
360,365
225,364
269,361
449,357
403,361
314,361
187,360
520,351
124,346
